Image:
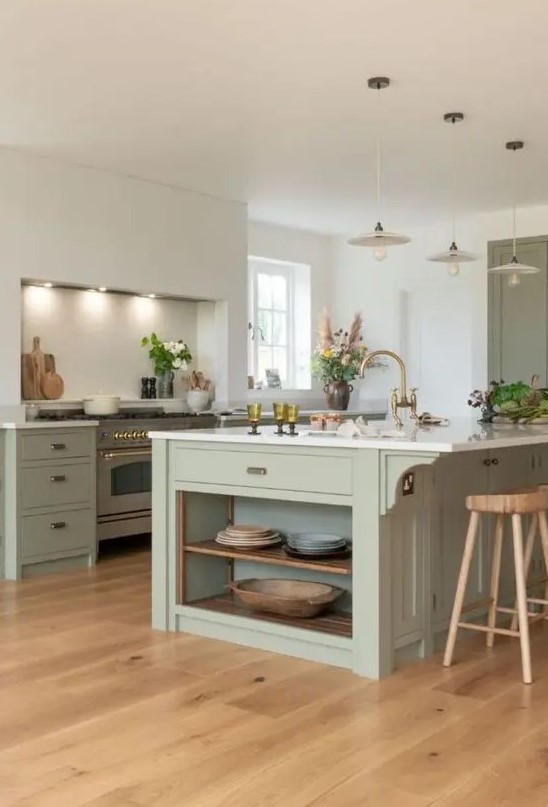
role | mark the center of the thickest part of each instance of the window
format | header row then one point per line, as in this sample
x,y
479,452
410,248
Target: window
x,y
279,324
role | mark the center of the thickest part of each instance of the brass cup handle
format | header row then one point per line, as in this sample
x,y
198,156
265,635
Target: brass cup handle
x,y
58,478
58,446
257,471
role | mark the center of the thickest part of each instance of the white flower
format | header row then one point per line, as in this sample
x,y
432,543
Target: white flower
x,y
184,365
178,363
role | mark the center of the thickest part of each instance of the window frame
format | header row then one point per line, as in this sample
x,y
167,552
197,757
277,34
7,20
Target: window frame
x,y
267,266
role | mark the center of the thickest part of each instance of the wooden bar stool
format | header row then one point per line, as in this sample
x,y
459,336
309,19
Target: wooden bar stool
x,y
515,504
532,533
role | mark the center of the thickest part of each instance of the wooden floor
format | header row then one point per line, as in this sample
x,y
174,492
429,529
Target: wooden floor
x,y
96,709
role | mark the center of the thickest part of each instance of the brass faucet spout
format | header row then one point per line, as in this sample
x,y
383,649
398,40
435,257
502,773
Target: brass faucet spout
x,y
403,401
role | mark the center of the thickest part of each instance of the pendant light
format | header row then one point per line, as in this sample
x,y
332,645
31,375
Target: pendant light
x,y
454,256
514,269
379,238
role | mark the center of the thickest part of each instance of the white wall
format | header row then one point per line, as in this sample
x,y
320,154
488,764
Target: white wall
x,y
96,338
437,323
86,227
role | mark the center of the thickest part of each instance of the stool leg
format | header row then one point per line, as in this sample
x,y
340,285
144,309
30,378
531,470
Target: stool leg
x,y
529,545
461,587
495,578
543,523
521,598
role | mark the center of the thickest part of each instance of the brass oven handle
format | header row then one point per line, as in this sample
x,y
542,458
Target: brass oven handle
x,y
59,478
111,455
258,471
58,525
58,446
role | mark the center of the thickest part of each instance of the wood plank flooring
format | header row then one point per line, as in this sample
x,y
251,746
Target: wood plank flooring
x,y
96,709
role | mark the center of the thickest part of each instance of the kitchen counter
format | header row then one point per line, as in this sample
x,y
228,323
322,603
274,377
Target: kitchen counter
x,y
461,435
401,501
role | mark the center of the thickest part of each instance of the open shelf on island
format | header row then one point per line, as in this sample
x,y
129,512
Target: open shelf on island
x,y
274,555
337,623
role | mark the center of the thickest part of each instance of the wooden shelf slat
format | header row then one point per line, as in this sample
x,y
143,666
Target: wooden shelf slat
x,y
273,555
336,623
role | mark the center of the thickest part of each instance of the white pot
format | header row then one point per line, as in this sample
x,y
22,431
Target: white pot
x,y
197,400
101,405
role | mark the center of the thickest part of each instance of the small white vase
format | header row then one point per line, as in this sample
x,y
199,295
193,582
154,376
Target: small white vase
x,y
197,400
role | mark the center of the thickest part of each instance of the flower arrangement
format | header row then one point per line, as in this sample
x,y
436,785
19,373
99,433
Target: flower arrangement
x,y
339,354
167,356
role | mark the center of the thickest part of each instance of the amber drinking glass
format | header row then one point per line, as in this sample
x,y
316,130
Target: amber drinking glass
x,y
280,416
254,416
292,417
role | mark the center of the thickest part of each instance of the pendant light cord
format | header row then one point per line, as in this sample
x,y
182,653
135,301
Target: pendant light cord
x,y
514,231
378,154
453,184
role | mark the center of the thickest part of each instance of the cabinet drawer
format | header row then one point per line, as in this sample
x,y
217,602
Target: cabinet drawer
x,y
58,444
56,485
279,471
57,532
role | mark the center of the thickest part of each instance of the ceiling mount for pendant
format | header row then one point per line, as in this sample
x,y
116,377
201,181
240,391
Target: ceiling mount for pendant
x,y
514,269
454,256
378,83
379,238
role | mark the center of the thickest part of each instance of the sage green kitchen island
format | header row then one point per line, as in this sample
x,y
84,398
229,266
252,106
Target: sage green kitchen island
x,y
399,500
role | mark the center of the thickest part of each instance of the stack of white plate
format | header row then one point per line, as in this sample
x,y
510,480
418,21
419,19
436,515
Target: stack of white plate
x,y
247,536
316,544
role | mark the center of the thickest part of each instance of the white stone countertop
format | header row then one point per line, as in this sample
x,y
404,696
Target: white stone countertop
x,y
462,434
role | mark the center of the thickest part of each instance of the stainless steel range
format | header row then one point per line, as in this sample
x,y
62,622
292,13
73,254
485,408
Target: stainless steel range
x,y
124,464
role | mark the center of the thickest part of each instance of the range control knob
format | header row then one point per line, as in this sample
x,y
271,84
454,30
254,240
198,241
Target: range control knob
x,y
134,434
126,435
143,434
117,435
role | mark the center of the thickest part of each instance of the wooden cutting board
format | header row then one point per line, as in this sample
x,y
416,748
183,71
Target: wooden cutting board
x,y
52,386
34,367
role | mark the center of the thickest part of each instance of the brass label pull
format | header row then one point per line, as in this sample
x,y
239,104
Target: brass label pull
x,y
58,446
257,471
58,525
59,478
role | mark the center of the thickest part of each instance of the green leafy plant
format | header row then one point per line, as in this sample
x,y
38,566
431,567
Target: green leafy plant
x,y
167,356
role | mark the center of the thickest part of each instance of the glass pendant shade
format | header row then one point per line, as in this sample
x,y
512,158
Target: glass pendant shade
x,y
378,239
514,269
453,255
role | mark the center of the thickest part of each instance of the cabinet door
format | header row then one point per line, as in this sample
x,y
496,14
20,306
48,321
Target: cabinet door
x,y
509,469
517,317
457,477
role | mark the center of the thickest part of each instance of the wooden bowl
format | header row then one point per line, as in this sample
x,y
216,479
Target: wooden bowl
x,y
294,598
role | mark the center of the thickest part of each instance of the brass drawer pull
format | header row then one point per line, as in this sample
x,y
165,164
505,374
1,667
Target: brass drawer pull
x,y
58,525
258,471
59,478
58,446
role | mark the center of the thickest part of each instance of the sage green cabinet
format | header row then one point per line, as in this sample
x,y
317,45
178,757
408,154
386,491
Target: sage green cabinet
x,y
48,522
518,320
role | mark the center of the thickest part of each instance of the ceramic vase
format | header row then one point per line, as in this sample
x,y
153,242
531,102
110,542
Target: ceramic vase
x,y
337,394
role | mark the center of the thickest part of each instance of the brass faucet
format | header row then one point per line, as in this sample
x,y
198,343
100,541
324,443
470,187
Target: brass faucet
x,y
403,402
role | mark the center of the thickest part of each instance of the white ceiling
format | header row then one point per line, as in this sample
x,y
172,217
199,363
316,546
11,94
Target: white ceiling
x,y
266,102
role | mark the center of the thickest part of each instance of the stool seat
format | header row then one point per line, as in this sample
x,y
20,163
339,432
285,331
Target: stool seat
x,y
521,502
